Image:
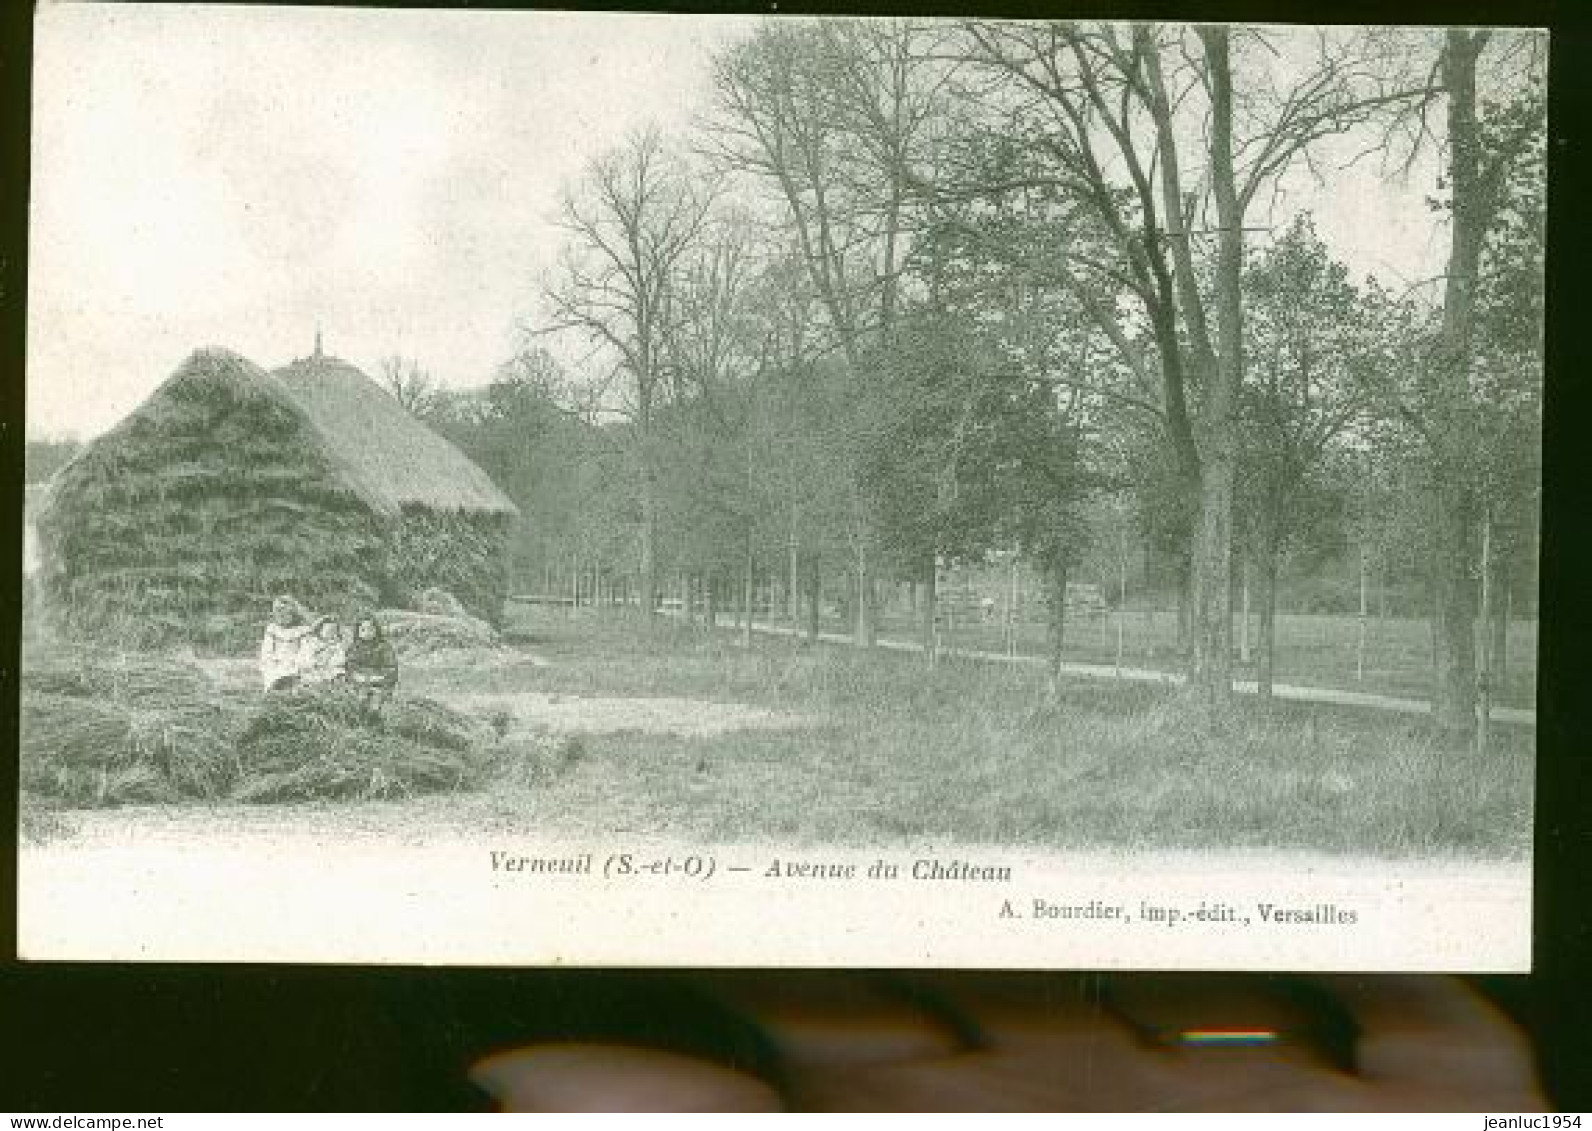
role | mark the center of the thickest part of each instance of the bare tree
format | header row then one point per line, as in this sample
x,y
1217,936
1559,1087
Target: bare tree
x,y
410,385
717,349
830,116
1164,152
1481,150
631,223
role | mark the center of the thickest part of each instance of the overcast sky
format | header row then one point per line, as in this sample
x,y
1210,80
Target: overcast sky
x,y
234,176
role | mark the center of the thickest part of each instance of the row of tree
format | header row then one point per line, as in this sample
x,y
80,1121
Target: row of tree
x,y
920,291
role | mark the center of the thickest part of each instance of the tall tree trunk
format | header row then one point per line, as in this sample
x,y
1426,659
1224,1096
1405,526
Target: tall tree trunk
x,y
713,600
1500,579
1484,681
1266,634
1500,624
1362,623
1211,663
1011,609
1056,575
928,608
815,596
793,579
863,632
1122,594
1210,588
1455,551
1182,577
649,533
1244,613
748,586
688,597
1432,585
1455,706
646,378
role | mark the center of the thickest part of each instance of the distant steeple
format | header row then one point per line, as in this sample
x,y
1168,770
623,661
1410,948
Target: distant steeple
x,y
318,340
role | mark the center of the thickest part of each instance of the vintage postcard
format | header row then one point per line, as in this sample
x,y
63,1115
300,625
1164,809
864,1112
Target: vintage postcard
x,y
546,487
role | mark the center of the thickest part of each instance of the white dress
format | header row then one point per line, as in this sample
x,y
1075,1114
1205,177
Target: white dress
x,y
323,660
282,651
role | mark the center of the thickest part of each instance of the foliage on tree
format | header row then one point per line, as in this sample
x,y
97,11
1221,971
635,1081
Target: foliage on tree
x,y
929,293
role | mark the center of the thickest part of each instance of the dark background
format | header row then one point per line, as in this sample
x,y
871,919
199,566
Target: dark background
x,y
161,1037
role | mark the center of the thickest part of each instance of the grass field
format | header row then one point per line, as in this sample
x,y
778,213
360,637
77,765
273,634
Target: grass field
x,y
673,732
975,752
1314,650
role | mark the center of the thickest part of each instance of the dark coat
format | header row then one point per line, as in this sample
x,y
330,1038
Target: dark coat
x,y
372,661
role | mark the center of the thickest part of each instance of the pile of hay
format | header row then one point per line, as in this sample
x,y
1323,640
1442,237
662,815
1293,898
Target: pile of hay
x,y
184,520
319,746
454,522
463,554
438,602
100,730
417,635
107,730
230,485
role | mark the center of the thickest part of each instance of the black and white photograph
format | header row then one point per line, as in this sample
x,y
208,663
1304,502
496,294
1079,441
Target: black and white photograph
x,y
535,487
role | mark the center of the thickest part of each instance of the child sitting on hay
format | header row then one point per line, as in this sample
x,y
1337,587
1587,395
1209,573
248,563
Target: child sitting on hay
x,y
323,659
283,647
372,665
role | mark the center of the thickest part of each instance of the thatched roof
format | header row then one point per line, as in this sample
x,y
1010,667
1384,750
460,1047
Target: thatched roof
x,y
226,487
382,455
392,454
211,379
216,492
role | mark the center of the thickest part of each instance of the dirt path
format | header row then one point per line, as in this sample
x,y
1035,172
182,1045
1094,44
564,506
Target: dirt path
x,y
1524,716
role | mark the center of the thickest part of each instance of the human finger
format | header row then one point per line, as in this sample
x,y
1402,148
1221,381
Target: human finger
x,y
616,1078
1045,1042
1163,1042
818,1020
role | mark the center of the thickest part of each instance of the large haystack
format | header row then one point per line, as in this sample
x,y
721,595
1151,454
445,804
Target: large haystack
x,y
455,521
228,486
216,493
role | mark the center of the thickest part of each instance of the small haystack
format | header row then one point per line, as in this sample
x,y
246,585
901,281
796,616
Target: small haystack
x,y
98,729
101,730
439,602
319,746
417,635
